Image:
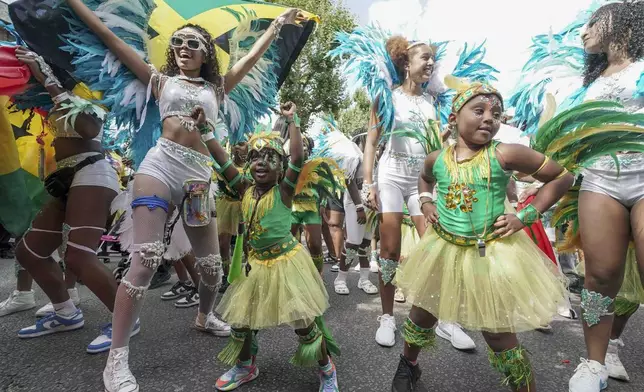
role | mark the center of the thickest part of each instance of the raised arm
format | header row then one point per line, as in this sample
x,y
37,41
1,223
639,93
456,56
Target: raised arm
x,y
122,50
369,159
287,187
556,181
246,63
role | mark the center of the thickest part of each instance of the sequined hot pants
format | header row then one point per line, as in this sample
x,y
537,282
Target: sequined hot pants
x,y
627,186
173,164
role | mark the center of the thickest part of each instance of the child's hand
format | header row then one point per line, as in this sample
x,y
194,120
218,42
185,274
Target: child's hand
x,y
362,216
28,58
199,115
288,110
430,212
507,225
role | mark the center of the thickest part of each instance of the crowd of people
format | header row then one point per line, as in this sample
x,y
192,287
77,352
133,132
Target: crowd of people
x,y
455,219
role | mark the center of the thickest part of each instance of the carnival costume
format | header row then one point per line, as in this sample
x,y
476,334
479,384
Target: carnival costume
x,y
410,125
598,132
281,285
461,272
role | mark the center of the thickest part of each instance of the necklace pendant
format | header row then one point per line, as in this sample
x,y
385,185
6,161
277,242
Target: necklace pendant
x,y
480,244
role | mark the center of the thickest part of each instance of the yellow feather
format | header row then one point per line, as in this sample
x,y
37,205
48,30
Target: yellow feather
x,y
549,109
455,83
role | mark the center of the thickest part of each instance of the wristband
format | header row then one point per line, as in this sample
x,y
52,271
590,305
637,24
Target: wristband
x,y
425,194
225,166
529,215
207,137
295,120
364,194
294,168
60,98
360,207
235,180
204,129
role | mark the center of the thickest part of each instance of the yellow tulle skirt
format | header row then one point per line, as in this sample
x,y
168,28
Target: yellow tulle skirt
x,y
515,288
409,239
229,214
283,291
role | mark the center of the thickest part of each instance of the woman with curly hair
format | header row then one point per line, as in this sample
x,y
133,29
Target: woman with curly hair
x,y
190,80
611,199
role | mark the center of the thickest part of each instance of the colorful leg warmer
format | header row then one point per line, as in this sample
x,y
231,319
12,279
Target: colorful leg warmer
x,y
514,364
595,306
416,336
230,353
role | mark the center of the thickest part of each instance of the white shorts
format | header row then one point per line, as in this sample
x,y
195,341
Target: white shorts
x,y
627,187
356,233
398,183
173,164
100,174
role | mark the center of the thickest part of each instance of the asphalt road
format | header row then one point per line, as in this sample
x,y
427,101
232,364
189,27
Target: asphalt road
x,y
169,355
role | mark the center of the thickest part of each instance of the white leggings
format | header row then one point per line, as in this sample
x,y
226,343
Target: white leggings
x,y
356,233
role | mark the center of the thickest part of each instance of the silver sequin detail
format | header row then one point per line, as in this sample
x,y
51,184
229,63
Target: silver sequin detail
x,y
210,264
211,287
188,155
626,162
387,269
65,238
595,306
407,159
351,256
136,292
152,254
73,160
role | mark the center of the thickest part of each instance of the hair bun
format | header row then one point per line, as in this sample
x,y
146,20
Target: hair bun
x,y
397,49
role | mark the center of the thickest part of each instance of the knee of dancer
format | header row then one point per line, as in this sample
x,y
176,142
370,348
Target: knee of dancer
x,y
389,255
315,248
603,281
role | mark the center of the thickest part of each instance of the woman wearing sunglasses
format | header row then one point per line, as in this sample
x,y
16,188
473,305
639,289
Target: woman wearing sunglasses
x,y
189,79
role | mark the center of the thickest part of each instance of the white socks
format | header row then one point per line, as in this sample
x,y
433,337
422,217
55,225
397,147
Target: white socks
x,y
66,308
342,276
364,273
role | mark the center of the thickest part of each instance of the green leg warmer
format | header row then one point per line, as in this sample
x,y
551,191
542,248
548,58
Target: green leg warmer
x,y
624,307
230,353
514,364
318,260
309,352
416,336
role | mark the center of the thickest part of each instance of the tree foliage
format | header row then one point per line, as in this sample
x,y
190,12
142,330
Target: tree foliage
x,y
315,83
354,119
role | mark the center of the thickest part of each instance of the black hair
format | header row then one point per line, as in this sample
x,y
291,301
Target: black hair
x,y
625,32
209,70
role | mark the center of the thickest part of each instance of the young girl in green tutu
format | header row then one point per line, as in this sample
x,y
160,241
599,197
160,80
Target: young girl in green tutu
x,y
478,267
281,285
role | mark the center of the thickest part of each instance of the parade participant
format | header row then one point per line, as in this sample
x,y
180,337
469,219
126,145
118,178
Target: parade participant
x,y
477,267
281,285
189,79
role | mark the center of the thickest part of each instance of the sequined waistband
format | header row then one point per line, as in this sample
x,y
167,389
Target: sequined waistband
x,y
285,245
410,159
460,240
186,154
627,161
74,159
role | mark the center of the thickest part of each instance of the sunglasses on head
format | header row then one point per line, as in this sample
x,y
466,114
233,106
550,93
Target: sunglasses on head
x,y
192,43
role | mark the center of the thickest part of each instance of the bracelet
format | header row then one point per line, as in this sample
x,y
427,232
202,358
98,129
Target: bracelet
x,y
204,128
425,194
359,206
207,137
425,202
60,98
294,168
295,120
529,215
235,180
51,79
277,25
372,185
225,166
364,194
289,182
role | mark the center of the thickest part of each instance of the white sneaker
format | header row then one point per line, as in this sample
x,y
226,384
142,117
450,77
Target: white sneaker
x,y
373,266
213,325
367,286
614,365
117,376
399,296
386,334
49,308
590,376
335,267
18,301
455,335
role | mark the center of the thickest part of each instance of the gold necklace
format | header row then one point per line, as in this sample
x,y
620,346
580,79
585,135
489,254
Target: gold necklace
x,y
480,239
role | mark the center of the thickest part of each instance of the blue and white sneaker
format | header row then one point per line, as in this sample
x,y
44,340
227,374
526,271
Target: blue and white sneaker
x,y
104,341
53,323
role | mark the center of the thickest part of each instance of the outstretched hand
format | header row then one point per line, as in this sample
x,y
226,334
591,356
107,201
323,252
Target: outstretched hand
x,y
28,58
293,16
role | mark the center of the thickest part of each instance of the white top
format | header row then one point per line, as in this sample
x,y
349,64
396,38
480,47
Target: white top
x,y
411,112
619,87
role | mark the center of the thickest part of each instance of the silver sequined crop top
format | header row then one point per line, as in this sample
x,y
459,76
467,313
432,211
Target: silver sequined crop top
x,y
178,98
